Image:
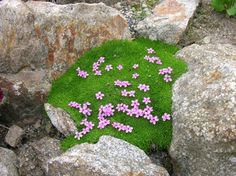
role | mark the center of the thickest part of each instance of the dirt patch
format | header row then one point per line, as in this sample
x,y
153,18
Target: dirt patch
x,y
208,26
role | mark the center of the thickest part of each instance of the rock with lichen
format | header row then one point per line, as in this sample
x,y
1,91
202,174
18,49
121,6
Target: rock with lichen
x,y
204,112
39,41
168,21
110,157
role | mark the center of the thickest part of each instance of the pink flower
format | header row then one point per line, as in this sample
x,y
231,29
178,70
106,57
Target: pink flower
x,y
119,67
154,120
98,73
150,51
99,95
108,67
135,75
101,60
167,78
165,117
131,93
146,100
124,93
158,62
148,110
135,103
144,87
146,58
135,66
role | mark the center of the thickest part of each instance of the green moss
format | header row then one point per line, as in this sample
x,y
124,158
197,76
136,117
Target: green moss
x,y
70,87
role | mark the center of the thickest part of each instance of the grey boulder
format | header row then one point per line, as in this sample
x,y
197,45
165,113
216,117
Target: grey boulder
x,y
168,21
7,162
109,157
204,112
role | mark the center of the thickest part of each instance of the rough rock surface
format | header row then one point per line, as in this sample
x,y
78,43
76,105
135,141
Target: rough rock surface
x,y
108,2
168,21
7,162
33,157
41,40
60,119
110,157
14,135
204,112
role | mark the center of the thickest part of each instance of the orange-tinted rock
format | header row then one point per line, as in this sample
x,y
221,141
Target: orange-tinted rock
x,y
168,21
40,40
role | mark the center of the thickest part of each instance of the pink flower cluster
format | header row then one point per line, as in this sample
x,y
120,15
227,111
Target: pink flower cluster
x,y
103,123
122,83
166,72
122,127
126,93
146,113
83,109
153,59
82,73
106,111
132,110
88,127
144,87
96,66
121,107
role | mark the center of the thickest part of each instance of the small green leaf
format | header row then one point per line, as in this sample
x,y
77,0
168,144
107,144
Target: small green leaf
x,y
218,5
232,11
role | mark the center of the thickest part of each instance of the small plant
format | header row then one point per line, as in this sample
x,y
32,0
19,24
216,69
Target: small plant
x,y
122,89
225,5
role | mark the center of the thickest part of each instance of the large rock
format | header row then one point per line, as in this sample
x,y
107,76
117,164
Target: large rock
x,y
7,162
204,112
40,40
33,157
168,21
109,157
60,119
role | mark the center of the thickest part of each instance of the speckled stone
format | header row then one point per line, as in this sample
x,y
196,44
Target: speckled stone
x,y
204,112
14,135
7,162
60,119
109,157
